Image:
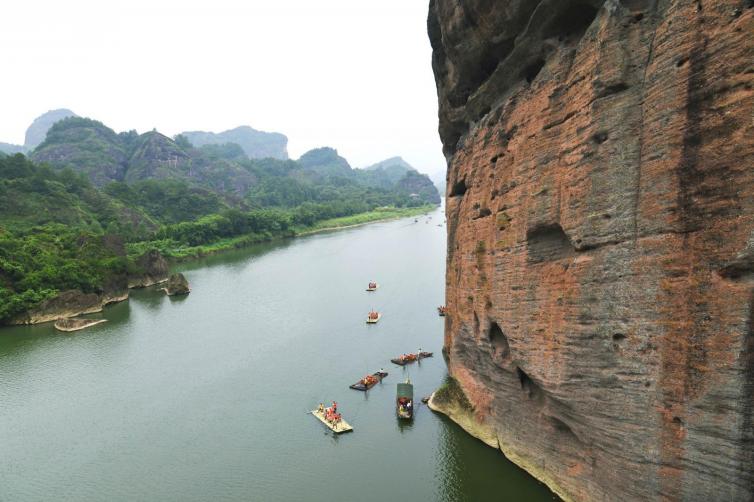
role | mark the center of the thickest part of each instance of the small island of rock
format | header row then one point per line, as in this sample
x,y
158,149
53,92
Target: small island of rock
x,y
177,285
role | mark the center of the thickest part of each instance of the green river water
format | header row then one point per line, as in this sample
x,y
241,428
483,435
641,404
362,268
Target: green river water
x,y
205,397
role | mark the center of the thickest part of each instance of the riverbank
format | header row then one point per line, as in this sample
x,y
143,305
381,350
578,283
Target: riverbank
x,y
70,304
177,253
360,219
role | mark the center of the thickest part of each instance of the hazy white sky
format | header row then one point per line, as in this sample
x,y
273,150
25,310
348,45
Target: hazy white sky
x,y
351,74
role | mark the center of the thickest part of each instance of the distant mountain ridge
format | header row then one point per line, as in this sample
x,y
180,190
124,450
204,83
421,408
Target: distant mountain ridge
x,y
104,156
10,148
256,144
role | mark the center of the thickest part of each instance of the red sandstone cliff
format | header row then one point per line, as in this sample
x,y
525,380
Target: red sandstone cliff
x,y
600,274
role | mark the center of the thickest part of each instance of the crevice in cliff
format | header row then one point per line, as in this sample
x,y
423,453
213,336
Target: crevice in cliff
x,y
483,213
563,429
747,429
612,89
459,188
498,340
572,22
548,243
600,137
528,386
532,70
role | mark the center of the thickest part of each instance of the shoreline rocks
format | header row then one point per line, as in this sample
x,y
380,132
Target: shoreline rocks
x,y
177,285
154,270
67,304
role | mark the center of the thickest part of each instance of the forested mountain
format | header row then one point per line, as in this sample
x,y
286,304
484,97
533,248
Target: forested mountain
x,y
255,144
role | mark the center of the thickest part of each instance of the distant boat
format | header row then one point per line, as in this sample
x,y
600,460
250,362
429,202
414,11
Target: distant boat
x,y
405,359
404,400
372,286
442,310
373,317
369,381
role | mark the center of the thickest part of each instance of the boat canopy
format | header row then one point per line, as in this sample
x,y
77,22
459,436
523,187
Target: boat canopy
x,y
406,390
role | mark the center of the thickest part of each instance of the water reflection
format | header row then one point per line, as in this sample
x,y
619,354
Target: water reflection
x,y
466,472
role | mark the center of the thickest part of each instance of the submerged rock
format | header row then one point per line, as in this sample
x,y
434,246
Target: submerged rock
x,y
177,285
69,325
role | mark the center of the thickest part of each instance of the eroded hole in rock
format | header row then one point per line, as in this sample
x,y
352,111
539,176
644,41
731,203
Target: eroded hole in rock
x,y
677,421
612,89
600,137
522,377
563,428
527,384
499,341
476,324
619,337
572,22
483,213
532,70
459,188
548,243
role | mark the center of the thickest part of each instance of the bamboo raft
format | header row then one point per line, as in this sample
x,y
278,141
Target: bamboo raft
x,y
402,362
338,428
360,384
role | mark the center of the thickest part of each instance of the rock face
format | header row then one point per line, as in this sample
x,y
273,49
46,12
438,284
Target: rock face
x,y
177,285
600,273
152,269
70,303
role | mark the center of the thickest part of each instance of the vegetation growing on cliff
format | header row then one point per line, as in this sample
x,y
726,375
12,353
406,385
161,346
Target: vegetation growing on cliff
x,y
451,393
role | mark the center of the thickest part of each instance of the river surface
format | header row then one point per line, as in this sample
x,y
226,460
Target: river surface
x,y
206,397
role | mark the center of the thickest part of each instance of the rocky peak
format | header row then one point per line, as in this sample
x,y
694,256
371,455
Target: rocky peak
x,y
37,131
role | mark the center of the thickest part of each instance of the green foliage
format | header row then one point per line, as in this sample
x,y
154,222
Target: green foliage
x,y
168,201
450,393
37,263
